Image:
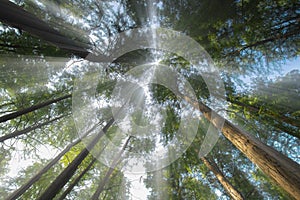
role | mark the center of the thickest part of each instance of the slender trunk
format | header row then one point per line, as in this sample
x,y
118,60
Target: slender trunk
x,y
15,16
34,179
76,181
235,194
280,168
32,108
27,130
17,193
68,172
115,162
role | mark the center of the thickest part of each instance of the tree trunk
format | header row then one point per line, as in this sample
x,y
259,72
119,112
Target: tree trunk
x,y
17,193
280,168
76,181
34,179
115,162
27,130
15,16
32,108
68,172
235,194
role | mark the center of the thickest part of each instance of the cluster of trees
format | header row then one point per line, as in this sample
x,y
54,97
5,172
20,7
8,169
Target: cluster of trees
x,y
257,155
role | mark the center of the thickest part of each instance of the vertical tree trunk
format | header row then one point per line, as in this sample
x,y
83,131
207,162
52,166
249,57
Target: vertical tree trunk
x,y
76,181
280,168
235,194
15,16
17,193
34,179
27,130
32,108
68,172
115,162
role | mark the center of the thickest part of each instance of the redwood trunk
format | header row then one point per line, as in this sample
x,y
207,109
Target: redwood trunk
x,y
27,130
76,181
109,172
15,16
34,179
222,179
68,172
32,108
17,193
280,168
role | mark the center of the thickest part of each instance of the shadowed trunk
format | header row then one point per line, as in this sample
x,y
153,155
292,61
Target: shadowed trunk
x,y
17,193
76,181
280,168
32,108
68,172
15,16
235,194
27,130
115,162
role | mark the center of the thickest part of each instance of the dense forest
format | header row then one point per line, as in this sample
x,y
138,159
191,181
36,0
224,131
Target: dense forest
x,y
150,99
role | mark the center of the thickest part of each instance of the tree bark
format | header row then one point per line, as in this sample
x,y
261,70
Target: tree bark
x,y
280,168
32,108
235,194
15,16
115,162
34,179
27,130
68,172
17,193
76,181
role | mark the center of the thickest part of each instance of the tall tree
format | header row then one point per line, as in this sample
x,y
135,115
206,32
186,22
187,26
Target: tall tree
x,y
283,170
15,16
220,176
68,172
32,108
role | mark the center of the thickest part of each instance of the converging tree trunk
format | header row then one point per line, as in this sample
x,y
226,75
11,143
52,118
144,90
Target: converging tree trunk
x,y
15,16
32,108
115,162
29,129
17,193
234,193
68,172
280,168
76,181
